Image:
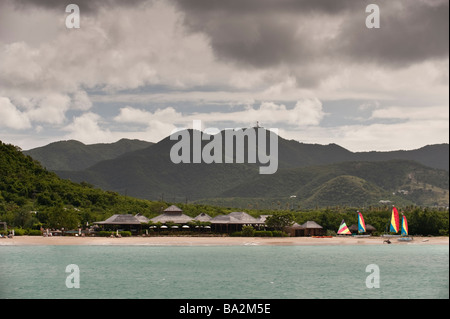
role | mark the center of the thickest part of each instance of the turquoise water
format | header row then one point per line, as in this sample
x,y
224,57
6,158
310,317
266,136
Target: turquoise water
x,y
248,272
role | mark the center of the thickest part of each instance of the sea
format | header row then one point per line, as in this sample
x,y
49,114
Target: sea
x,y
216,272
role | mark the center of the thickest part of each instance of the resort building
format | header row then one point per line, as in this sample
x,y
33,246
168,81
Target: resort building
x,y
235,221
120,222
172,214
203,217
310,228
228,223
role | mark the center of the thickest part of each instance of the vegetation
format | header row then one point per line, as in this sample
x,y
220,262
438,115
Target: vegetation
x,y
73,155
32,197
279,220
319,175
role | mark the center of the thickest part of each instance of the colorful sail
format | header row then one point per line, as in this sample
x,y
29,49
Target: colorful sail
x,y
343,229
361,223
404,226
395,222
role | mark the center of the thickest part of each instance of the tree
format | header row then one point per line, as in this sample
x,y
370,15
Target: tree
x,y
59,217
248,231
279,221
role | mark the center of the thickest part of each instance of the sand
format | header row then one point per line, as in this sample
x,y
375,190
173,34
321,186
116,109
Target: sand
x,y
214,241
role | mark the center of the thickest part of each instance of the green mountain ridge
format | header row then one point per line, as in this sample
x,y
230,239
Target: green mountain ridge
x,y
74,155
398,181
304,170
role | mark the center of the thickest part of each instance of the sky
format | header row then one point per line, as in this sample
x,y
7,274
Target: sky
x,y
140,69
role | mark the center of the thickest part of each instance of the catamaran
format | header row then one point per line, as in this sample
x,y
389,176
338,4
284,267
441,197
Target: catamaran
x,y
343,229
395,223
404,232
361,226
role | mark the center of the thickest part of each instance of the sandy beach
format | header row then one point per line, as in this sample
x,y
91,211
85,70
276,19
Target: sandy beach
x,y
214,241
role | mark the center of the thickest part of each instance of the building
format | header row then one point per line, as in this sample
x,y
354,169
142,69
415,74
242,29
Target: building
x,y
123,222
172,214
203,217
310,228
234,222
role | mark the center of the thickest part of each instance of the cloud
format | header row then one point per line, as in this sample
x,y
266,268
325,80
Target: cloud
x,y
51,109
129,114
271,32
306,112
86,128
158,64
406,135
412,113
410,32
11,117
86,6
81,101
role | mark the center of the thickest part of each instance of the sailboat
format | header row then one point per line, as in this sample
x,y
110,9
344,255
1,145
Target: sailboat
x,y
395,223
361,226
343,229
404,232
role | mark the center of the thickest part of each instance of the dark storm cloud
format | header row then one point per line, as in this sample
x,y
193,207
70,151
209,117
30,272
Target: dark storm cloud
x,y
267,33
264,33
254,6
86,6
415,32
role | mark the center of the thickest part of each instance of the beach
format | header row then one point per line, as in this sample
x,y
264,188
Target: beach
x,y
214,241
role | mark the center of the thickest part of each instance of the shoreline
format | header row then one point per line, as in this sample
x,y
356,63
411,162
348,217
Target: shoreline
x,y
213,241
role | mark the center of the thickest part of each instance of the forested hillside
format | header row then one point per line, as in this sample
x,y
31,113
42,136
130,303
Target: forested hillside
x,y
31,197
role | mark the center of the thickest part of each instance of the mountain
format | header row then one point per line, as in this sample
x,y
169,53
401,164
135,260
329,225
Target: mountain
x,y
319,175
346,183
73,155
26,186
435,156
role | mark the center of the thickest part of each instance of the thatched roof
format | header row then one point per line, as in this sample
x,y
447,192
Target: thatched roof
x,y
120,219
142,218
203,217
173,209
311,224
296,226
174,217
236,218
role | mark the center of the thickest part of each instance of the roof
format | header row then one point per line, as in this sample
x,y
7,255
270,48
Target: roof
x,y
296,226
173,209
178,218
311,224
142,218
203,217
120,219
236,218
